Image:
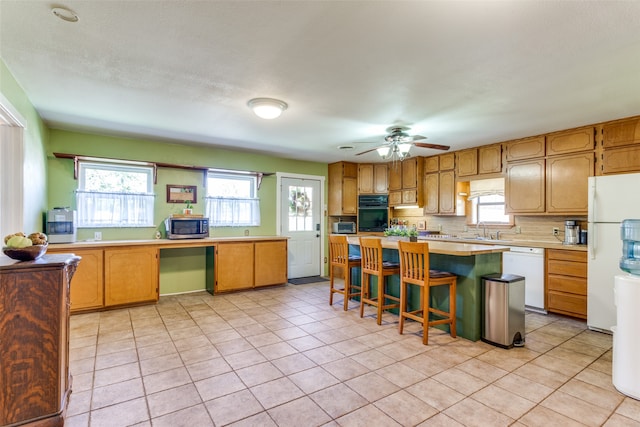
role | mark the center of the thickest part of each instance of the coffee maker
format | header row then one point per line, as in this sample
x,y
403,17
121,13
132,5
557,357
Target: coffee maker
x,y
571,232
61,225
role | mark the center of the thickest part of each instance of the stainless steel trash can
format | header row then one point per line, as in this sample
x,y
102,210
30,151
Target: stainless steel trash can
x,y
503,310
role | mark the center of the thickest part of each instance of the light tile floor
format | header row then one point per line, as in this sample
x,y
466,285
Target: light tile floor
x,y
283,357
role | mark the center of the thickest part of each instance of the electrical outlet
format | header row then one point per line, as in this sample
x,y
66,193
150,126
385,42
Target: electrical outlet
x,y
246,232
517,230
555,231
97,235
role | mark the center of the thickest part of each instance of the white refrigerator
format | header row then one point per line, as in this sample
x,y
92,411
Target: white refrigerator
x,y
612,199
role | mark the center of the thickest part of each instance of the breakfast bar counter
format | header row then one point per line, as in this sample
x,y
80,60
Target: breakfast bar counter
x,y
468,261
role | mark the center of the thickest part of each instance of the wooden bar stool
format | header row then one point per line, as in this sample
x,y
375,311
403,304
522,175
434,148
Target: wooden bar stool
x,y
340,258
414,270
373,265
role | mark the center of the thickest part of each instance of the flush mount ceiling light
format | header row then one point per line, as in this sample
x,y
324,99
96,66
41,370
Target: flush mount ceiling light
x,y
267,108
65,14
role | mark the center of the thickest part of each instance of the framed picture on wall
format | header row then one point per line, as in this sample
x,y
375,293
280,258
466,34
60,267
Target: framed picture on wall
x,y
181,193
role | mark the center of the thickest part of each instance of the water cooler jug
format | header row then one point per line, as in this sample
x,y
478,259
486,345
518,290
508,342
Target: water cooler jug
x,y
626,346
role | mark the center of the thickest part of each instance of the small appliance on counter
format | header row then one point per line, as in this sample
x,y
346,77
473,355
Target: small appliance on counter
x,y
187,227
344,227
571,232
61,225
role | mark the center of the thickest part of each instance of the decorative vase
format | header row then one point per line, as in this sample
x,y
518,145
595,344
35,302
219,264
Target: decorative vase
x,y
187,211
413,238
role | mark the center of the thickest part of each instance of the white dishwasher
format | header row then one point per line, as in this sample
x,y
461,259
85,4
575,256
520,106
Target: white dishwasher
x,y
529,263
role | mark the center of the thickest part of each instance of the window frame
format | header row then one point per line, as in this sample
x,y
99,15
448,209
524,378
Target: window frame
x,y
147,197
229,205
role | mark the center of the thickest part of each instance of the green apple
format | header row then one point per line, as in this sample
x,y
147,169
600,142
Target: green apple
x,y
19,242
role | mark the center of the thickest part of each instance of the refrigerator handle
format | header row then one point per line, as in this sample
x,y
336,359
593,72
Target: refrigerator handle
x,y
591,214
591,240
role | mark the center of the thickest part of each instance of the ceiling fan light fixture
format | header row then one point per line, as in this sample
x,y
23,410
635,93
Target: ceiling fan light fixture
x,y
404,149
383,151
267,108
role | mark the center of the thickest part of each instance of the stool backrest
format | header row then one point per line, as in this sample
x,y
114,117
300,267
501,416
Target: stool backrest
x,y
371,253
338,249
414,260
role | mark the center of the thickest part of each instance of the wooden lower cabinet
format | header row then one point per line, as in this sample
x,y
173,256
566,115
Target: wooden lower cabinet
x,y
130,275
270,261
247,265
233,266
87,289
35,382
566,284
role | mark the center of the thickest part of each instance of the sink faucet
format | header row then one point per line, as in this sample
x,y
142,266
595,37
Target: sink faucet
x,y
484,229
498,235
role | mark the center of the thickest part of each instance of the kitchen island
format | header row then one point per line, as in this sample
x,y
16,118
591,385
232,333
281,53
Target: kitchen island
x,y
468,261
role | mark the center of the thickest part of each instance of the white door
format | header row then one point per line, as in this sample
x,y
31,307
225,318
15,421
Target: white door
x,y
300,213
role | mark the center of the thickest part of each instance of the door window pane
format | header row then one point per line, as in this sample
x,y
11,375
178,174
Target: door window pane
x,y
300,208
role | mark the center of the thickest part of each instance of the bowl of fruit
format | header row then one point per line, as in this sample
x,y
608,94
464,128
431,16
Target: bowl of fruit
x,y
25,248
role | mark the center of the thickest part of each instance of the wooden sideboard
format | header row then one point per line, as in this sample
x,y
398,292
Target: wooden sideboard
x,y
35,382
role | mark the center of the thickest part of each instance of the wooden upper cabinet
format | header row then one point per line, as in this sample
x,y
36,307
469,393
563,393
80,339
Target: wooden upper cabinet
x,y
525,187
573,141
432,190
395,176
527,148
621,160
372,178
447,193
619,133
567,188
343,188
431,164
468,162
380,175
447,161
411,169
365,178
490,159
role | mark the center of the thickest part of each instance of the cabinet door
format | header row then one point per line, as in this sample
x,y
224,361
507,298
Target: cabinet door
x,y
395,198
395,176
572,141
410,173
621,160
447,193
447,161
87,286
490,159
432,190
349,196
270,263
431,164
335,189
525,187
468,162
365,178
625,132
380,174
410,197
234,266
527,148
567,190
130,275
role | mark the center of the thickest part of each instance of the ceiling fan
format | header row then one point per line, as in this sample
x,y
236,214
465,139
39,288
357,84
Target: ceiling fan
x,y
398,142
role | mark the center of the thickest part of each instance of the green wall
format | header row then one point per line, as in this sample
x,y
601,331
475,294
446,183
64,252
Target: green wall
x,y
179,271
35,137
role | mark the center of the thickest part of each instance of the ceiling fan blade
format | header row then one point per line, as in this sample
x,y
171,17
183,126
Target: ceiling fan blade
x,y
418,137
368,151
434,146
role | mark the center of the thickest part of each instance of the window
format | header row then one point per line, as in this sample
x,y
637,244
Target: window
x,y
232,199
114,195
488,203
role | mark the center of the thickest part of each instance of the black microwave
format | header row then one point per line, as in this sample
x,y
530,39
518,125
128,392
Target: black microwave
x,y
187,227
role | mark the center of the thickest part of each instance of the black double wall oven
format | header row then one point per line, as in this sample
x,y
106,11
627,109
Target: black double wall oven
x,y
373,213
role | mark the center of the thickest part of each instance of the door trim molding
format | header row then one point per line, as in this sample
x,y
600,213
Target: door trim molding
x,y
323,212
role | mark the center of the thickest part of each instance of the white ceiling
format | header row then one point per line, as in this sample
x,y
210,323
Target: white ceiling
x,y
462,73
